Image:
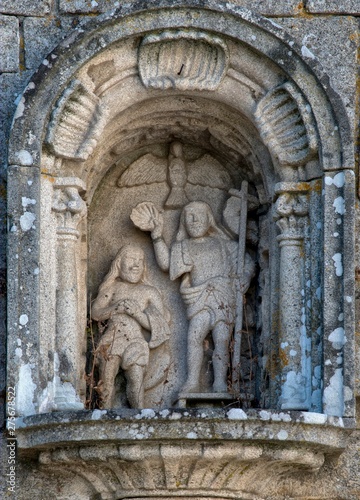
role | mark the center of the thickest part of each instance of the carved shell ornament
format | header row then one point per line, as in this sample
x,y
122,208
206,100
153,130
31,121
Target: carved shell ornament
x,y
183,60
287,125
76,123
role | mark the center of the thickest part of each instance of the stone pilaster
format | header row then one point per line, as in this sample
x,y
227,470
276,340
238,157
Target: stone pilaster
x,y
70,209
291,210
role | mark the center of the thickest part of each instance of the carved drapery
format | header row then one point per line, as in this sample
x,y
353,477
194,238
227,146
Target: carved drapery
x,y
70,209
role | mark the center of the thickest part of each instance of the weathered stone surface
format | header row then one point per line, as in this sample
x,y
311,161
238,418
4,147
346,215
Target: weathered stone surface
x,y
9,54
49,238
41,36
26,7
332,7
265,8
337,54
86,6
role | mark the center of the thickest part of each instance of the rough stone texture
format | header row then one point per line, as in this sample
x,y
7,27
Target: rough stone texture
x,y
9,55
338,55
262,7
333,41
332,7
42,35
26,7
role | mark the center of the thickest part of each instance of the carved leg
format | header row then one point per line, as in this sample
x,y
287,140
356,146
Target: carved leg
x,y
135,385
108,369
199,327
221,356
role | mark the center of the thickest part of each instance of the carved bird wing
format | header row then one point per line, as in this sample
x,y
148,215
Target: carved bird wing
x,y
206,171
147,169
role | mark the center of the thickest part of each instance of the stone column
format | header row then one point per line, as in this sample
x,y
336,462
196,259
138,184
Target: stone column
x,y
291,209
70,209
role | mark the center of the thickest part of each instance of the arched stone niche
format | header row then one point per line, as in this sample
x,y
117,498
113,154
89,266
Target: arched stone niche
x,y
224,97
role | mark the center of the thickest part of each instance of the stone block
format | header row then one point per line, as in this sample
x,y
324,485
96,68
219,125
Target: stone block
x,y
41,37
9,53
333,42
83,6
331,7
271,7
26,7
265,8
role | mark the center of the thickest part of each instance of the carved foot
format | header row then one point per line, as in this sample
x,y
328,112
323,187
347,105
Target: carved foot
x,y
220,387
189,387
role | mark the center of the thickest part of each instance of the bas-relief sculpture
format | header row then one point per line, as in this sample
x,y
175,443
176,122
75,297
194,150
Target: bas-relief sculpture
x,y
133,310
213,270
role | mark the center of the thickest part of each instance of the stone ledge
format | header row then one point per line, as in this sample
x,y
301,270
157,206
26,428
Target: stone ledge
x,y
313,430
211,453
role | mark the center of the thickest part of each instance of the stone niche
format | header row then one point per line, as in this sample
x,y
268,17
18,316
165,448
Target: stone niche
x,y
181,251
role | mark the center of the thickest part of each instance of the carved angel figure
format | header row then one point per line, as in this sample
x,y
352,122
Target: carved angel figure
x,y
205,257
131,307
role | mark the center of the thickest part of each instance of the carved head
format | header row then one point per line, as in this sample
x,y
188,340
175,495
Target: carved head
x,y
196,221
129,265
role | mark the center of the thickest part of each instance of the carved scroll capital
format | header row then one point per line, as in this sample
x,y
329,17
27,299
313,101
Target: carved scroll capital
x,y
182,59
68,205
290,209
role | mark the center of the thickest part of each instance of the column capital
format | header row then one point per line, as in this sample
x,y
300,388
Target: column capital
x,y
68,205
290,210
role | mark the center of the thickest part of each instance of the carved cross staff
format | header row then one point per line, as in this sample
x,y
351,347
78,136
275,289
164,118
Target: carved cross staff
x,y
243,195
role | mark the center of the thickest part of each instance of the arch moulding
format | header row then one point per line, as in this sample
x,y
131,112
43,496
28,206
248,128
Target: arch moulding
x,y
148,116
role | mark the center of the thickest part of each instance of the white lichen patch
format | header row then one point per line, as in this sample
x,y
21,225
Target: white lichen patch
x,y
338,180
164,413
314,418
337,258
337,338
20,102
191,435
348,299
146,413
282,435
23,320
18,352
236,414
280,417
25,390
24,158
265,415
305,52
97,414
175,416
27,221
333,395
339,205
27,201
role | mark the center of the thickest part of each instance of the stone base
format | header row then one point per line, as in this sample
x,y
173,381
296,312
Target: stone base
x,y
179,453
214,399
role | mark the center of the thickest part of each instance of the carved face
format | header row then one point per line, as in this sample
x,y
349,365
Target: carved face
x,y
132,265
196,220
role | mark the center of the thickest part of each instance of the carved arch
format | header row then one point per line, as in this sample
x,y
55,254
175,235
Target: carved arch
x,y
229,128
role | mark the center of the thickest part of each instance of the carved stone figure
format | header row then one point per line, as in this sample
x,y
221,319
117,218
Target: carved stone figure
x,y
137,322
205,257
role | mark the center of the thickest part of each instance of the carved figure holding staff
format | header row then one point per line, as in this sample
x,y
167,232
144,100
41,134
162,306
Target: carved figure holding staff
x,y
205,257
